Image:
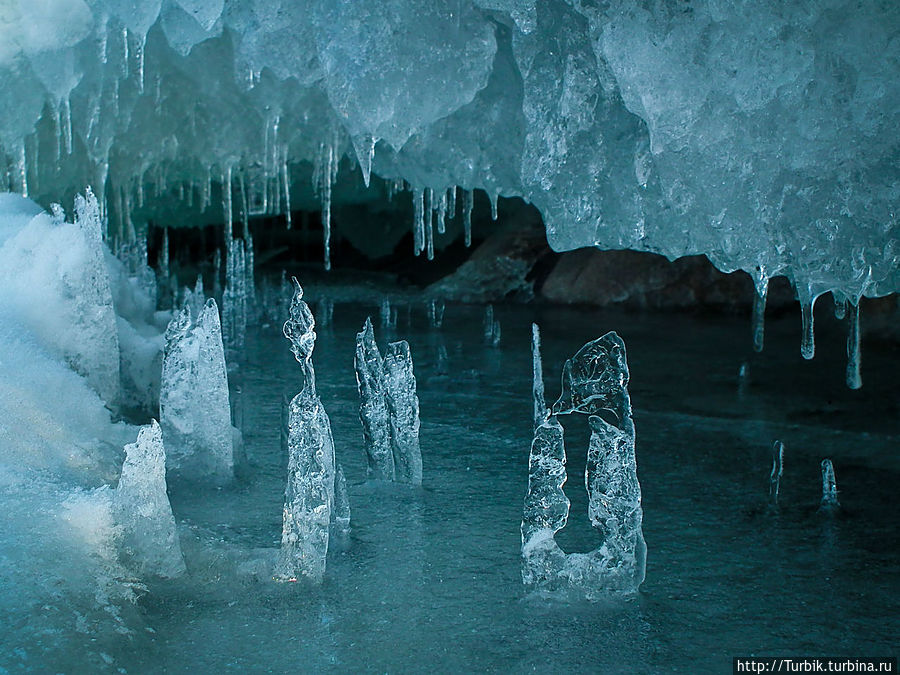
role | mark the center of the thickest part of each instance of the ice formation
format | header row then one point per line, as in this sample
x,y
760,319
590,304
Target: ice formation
x,y
829,488
777,470
195,413
388,409
142,509
309,499
594,383
373,410
56,276
760,134
403,405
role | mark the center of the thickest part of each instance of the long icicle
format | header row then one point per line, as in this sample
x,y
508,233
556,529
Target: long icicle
x,y
468,204
418,221
761,282
854,379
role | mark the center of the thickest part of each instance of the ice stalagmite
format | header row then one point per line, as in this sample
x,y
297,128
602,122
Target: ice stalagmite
x,y
546,508
537,387
594,383
403,404
830,501
614,504
340,514
195,412
373,411
143,512
309,496
777,470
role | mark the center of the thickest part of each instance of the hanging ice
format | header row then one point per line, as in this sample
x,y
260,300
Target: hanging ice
x,y
142,509
594,383
234,299
373,411
310,491
195,412
403,404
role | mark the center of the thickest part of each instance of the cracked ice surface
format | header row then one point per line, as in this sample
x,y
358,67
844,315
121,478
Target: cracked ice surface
x,y
761,134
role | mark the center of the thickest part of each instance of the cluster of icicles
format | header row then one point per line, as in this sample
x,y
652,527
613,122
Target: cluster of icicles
x,y
844,308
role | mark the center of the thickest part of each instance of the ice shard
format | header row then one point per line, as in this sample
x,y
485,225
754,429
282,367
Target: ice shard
x,y
594,383
309,495
373,410
195,412
149,539
403,405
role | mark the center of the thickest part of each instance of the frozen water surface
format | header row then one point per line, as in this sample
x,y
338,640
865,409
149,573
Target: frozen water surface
x,y
430,577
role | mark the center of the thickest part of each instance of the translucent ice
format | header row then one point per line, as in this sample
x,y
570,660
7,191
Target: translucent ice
x,y
403,404
829,488
310,492
149,539
309,495
195,413
373,410
777,470
595,383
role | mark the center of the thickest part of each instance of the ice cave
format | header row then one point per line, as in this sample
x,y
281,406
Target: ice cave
x,y
450,336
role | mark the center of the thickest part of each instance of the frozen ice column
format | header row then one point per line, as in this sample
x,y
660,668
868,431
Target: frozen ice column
x,y
195,412
546,507
373,410
309,495
594,383
142,508
403,405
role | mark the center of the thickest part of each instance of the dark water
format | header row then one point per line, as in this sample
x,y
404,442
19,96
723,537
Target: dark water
x,y
430,578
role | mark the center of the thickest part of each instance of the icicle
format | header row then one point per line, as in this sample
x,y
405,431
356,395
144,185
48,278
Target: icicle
x,y
429,227
808,340
537,388
139,53
286,186
227,207
163,263
494,199
468,204
190,196
365,154
743,378
777,470
418,221
854,379
245,212
758,321
488,324
57,127
21,170
829,488
139,190
385,312
217,272
451,202
326,228
125,69
442,213
840,305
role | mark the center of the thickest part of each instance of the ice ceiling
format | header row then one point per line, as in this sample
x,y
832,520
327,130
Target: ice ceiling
x,y
761,133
